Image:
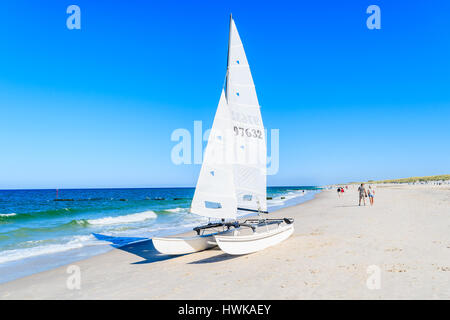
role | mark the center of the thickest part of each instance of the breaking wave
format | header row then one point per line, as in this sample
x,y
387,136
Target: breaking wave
x,y
136,217
18,254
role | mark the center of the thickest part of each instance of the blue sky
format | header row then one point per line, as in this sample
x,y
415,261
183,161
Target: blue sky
x,y
96,107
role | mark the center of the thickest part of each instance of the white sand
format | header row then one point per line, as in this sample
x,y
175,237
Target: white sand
x,y
406,234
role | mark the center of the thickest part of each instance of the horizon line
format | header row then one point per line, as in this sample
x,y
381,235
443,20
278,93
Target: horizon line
x,y
115,188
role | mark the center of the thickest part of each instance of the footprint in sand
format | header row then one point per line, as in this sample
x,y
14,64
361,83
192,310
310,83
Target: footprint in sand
x,y
443,268
399,267
393,249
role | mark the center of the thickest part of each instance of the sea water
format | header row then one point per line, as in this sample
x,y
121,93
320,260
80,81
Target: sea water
x,y
38,233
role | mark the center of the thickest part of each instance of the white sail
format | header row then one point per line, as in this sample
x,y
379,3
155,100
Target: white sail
x,y
250,144
215,195
233,174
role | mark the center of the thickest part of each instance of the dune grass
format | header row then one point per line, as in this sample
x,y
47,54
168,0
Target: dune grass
x,y
415,179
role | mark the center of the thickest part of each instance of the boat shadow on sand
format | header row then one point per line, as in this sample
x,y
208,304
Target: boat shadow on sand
x,y
144,248
214,259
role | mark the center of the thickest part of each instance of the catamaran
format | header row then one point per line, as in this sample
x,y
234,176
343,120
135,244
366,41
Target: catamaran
x,y
232,180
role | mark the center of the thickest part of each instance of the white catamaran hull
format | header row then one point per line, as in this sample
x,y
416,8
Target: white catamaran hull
x,y
185,245
236,245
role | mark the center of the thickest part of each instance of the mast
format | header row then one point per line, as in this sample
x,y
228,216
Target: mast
x,y
228,57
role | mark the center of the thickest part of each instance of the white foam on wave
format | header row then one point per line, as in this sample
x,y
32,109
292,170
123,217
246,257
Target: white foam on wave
x,y
275,201
177,210
149,232
291,195
8,214
18,254
136,217
281,199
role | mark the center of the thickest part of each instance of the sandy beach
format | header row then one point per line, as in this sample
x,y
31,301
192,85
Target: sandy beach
x,y
334,250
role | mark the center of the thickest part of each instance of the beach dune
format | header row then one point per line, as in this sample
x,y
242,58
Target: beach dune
x,y
397,249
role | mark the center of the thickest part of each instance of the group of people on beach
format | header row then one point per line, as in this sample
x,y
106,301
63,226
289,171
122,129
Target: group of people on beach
x,y
340,190
363,193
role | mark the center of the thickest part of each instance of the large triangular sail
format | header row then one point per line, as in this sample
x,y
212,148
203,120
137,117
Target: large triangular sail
x,y
215,195
250,144
233,174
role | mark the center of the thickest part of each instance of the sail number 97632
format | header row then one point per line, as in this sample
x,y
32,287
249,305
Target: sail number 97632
x,y
251,133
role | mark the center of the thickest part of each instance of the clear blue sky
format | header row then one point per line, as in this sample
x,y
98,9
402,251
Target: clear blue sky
x,y
96,107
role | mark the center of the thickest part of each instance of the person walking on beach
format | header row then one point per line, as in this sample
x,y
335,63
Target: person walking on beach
x,y
362,193
371,193
339,192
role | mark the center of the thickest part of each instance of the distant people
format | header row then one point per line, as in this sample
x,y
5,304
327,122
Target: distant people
x,y
371,194
362,193
339,192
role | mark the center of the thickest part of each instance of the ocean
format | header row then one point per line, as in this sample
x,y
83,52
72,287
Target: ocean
x,y
38,233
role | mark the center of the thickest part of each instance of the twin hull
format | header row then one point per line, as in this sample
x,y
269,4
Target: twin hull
x,y
227,241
